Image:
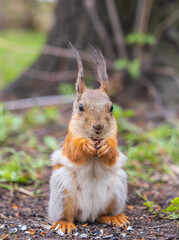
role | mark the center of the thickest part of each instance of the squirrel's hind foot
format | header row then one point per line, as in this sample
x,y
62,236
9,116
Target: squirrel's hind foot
x,y
121,220
66,227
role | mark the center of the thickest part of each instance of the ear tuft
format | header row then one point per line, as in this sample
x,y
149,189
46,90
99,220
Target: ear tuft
x,y
99,65
80,83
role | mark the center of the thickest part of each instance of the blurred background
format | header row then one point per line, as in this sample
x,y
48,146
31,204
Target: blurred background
x,y
140,41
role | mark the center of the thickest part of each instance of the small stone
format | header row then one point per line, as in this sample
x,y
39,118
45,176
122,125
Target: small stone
x,y
83,236
158,229
81,228
129,228
27,232
108,237
14,230
103,225
60,232
75,234
23,228
46,226
2,226
114,238
123,234
49,235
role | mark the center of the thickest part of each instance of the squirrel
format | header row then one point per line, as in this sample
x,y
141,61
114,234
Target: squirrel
x,y
88,183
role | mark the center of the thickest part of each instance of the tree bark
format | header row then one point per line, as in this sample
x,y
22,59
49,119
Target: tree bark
x,y
72,23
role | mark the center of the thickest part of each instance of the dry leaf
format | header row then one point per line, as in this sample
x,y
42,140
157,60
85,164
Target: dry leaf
x,y
32,231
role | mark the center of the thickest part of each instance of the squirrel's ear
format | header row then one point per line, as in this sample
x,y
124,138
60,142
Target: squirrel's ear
x,y
80,83
99,65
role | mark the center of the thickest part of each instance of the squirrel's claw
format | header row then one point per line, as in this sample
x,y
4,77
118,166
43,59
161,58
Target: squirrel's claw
x,y
121,220
89,147
103,148
66,227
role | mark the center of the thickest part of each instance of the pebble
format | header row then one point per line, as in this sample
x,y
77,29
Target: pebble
x,y
75,234
2,226
98,233
158,229
83,236
23,228
114,238
27,232
14,230
129,228
81,228
108,237
45,226
51,234
123,234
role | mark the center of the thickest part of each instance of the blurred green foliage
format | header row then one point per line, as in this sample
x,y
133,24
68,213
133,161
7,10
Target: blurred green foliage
x,y
66,89
149,151
24,152
171,212
18,49
132,66
140,38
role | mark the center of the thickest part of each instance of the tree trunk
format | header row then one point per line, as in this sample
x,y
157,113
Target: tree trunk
x,y
72,23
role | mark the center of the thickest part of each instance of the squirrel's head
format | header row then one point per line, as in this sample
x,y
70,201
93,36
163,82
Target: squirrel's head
x,y
93,109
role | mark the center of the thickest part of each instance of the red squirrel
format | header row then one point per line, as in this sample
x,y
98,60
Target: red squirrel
x,y
88,182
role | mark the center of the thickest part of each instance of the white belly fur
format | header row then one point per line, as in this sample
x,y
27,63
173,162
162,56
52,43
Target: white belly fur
x,y
92,187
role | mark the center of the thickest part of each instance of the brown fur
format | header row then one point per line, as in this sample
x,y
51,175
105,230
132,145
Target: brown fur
x,y
110,158
74,149
118,221
91,108
66,224
69,211
111,207
56,166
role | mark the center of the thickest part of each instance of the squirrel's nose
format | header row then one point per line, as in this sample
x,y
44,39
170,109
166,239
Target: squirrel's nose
x,y
98,126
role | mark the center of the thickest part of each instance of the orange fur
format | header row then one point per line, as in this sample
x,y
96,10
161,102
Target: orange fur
x,y
111,207
69,211
66,224
78,150
56,166
67,227
110,157
118,221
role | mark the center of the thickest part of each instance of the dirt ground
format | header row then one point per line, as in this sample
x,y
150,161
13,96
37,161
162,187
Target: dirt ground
x,y
25,217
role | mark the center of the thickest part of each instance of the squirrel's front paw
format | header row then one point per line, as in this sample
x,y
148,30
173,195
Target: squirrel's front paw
x,y
103,148
66,227
89,147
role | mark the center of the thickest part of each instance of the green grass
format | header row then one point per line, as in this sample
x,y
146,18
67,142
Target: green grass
x,y
24,152
18,49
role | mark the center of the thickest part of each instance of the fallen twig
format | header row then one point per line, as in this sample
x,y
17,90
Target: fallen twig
x,y
51,76
38,101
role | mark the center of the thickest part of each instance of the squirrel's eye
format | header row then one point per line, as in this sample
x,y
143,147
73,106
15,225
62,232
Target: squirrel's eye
x,y
81,108
111,109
